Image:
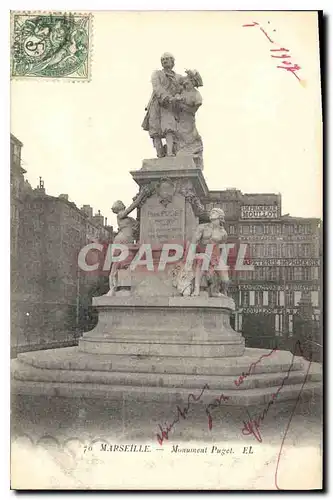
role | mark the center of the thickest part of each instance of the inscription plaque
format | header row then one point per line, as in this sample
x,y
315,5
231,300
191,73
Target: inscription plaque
x,y
163,224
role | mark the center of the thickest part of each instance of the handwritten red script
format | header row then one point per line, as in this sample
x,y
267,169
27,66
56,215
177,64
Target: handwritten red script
x,y
253,424
287,65
217,402
180,413
251,368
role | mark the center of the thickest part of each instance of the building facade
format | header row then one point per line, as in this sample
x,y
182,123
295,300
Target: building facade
x,y
50,297
17,184
285,252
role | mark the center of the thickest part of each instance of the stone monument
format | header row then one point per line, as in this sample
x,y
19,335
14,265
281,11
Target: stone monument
x,y
171,112
164,332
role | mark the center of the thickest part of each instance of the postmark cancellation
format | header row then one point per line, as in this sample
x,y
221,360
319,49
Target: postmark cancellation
x,y
51,45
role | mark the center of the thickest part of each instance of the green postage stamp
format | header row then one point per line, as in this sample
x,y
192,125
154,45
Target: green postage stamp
x,y
51,45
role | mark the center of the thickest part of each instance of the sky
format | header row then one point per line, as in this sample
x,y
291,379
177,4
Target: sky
x,y
261,127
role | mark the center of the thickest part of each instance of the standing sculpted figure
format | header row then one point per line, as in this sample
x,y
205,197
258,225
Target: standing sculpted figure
x,y
212,232
160,120
187,276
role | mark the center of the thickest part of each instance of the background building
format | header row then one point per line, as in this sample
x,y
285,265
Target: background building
x,y
50,297
285,252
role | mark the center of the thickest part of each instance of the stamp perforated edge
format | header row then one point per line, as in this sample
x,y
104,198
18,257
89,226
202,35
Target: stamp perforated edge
x,y
64,79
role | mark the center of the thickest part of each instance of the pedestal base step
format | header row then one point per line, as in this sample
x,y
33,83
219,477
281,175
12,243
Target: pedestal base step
x,y
164,394
246,380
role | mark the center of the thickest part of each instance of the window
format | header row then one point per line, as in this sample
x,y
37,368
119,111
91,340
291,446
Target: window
x,y
257,250
297,297
252,298
266,273
278,324
315,273
272,298
298,273
314,298
272,250
245,229
289,229
265,298
240,322
290,324
245,298
272,274
281,298
258,273
307,273
288,251
232,229
249,275
289,273
16,152
289,296
259,298
305,250
279,273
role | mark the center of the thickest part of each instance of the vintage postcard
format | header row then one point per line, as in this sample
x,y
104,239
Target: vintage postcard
x,y
166,250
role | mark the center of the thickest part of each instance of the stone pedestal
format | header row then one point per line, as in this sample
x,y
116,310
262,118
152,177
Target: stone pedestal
x,y
152,345
179,327
153,318
170,214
